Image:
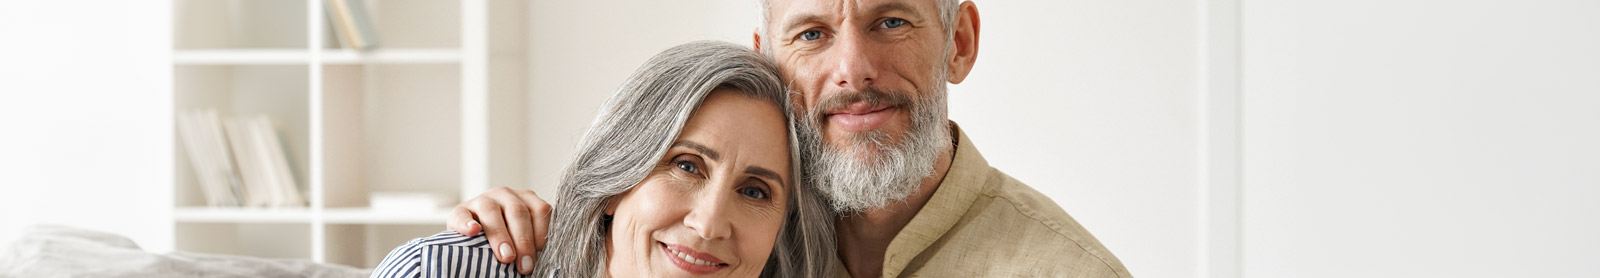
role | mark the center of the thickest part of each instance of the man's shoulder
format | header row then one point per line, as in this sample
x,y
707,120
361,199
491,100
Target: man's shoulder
x,y
1014,216
992,225
1012,198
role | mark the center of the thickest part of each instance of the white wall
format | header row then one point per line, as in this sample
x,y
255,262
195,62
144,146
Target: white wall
x,y
1421,138
1091,102
580,51
85,117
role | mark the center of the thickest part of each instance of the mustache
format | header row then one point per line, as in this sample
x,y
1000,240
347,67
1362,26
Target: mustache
x,y
871,96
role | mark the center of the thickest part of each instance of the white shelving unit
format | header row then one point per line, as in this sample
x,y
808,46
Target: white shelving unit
x,y
410,116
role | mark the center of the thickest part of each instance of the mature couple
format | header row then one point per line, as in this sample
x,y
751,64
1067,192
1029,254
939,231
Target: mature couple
x,y
835,160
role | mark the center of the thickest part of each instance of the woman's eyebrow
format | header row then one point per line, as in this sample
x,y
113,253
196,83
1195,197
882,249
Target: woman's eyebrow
x,y
763,172
713,155
702,149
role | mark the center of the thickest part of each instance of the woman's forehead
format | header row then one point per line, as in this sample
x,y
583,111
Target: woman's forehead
x,y
740,130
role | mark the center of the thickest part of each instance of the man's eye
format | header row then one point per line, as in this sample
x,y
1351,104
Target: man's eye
x,y
753,192
811,35
688,167
893,23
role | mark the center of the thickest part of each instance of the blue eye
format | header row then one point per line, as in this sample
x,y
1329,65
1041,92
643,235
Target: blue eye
x,y
811,35
687,167
753,192
893,23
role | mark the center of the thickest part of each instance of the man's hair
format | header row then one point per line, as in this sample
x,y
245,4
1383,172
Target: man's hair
x,y
634,129
948,10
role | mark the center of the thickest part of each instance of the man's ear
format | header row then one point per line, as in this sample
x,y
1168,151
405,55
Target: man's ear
x,y
964,52
755,39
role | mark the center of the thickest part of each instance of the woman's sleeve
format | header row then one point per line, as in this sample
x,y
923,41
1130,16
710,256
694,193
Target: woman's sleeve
x,y
446,254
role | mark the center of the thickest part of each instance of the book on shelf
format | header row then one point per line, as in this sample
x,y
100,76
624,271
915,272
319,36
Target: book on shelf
x,y
260,158
351,23
209,157
238,162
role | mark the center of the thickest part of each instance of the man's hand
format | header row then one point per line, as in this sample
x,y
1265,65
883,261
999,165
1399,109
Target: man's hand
x,y
515,220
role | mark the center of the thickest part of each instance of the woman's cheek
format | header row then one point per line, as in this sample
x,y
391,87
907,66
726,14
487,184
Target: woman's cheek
x,y
760,239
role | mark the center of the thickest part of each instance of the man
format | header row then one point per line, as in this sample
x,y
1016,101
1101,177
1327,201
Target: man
x,y
913,195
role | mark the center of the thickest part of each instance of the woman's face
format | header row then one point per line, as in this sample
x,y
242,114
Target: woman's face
x,y
714,204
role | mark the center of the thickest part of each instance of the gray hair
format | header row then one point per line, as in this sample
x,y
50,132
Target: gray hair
x,y
948,10
634,129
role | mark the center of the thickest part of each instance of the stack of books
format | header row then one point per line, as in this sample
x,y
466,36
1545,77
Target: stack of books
x,y
238,162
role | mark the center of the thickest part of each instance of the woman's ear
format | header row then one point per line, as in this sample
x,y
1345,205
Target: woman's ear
x,y
611,205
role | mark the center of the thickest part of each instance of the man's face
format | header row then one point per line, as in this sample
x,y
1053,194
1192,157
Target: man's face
x,y
871,81
837,52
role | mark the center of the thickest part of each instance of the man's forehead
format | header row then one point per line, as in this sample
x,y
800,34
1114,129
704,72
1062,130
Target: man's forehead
x,y
786,10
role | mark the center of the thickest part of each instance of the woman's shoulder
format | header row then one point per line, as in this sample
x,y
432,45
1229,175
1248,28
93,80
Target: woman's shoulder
x,y
451,238
446,254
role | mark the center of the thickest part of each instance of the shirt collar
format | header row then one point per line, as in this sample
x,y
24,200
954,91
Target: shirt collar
x,y
961,185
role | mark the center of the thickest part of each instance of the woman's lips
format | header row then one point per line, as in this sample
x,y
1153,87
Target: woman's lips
x,y
860,117
692,261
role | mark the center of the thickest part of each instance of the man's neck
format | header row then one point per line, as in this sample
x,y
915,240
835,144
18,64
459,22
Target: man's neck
x,y
864,237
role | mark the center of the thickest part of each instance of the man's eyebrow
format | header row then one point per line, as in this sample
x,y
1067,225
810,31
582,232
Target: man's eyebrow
x,y
879,9
698,148
801,21
765,173
894,6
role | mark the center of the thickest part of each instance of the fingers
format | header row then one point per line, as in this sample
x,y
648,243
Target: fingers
x,y
490,216
519,219
462,222
540,218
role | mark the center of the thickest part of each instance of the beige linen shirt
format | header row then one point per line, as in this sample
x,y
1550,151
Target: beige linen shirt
x,y
982,223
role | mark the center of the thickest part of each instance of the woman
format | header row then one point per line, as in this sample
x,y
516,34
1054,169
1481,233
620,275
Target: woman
x,y
690,169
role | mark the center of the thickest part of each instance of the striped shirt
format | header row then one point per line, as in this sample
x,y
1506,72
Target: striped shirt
x,y
447,254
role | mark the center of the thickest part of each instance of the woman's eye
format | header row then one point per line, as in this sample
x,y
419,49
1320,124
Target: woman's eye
x,y
893,23
688,167
811,35
753,193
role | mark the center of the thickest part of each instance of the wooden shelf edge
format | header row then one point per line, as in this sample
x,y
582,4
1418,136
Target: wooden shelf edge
x,y
304,216
287,56
241,215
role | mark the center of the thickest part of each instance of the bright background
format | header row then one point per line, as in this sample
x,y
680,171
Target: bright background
x,y
1218,138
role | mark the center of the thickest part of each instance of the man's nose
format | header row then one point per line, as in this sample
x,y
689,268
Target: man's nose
x,y
853,69
708,217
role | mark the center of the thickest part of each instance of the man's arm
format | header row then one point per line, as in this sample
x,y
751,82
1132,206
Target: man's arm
x,y
514,220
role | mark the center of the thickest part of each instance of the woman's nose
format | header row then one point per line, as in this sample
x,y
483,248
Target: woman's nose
x,y
708,216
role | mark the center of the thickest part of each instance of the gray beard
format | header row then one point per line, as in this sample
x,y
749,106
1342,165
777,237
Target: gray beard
x,y
870,170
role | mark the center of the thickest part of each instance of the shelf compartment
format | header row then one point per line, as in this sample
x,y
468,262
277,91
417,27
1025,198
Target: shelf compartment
x,y
202,24
265,240
364,246
275,91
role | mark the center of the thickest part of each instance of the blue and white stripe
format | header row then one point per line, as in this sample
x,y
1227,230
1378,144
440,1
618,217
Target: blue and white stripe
x,y
446,254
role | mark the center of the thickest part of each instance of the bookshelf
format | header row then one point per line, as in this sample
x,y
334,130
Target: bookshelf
x,y
412,115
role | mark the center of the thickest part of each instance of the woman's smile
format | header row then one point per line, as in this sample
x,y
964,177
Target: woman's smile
x,y
688,259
